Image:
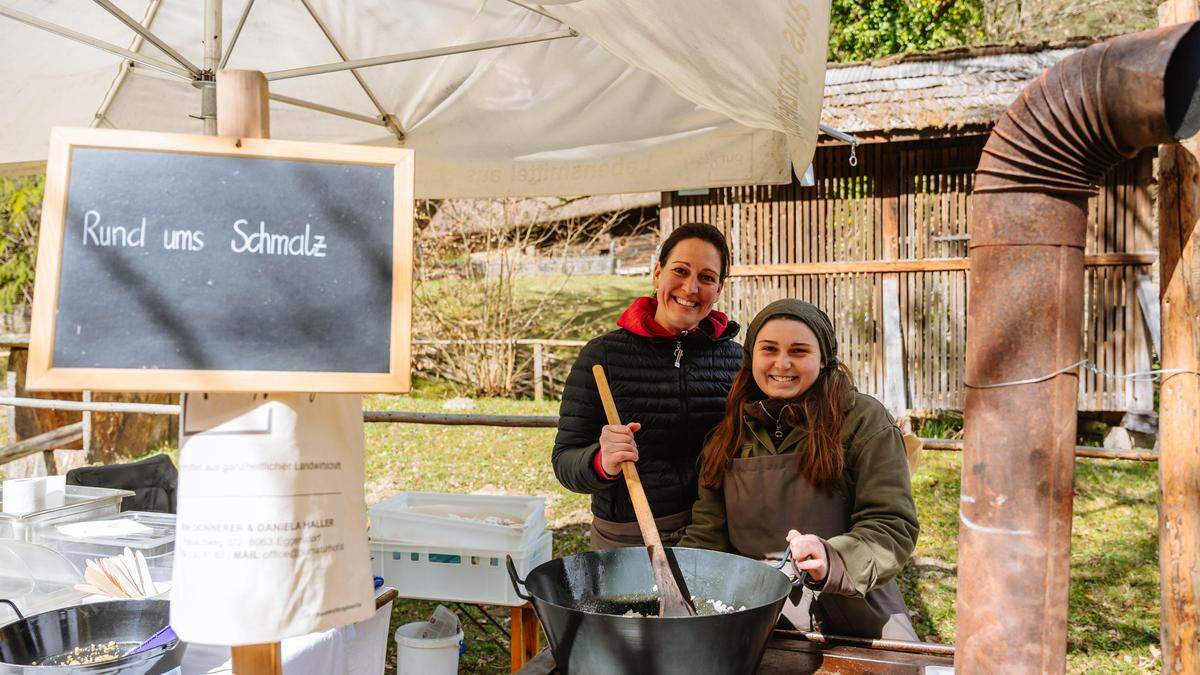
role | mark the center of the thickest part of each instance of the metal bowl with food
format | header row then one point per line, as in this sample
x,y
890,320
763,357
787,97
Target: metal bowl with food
x,y
600,612
90,639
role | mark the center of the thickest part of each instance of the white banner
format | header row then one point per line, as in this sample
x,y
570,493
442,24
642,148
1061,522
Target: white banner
x,y
652,95
271,537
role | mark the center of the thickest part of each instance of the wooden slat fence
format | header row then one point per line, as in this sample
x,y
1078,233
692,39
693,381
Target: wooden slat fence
x,y
893,231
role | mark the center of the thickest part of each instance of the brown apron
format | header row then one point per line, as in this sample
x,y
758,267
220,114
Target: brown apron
x,y
767,496
607,534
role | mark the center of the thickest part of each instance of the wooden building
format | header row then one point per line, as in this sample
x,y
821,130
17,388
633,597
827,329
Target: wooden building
x,y
880,243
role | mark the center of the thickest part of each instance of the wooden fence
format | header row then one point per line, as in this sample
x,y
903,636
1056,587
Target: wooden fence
x,y
882,248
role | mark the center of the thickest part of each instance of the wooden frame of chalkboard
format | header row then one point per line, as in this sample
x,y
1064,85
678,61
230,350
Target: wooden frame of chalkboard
x,y
371,352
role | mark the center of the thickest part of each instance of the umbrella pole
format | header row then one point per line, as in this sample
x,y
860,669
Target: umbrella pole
x,y
243,111
212,60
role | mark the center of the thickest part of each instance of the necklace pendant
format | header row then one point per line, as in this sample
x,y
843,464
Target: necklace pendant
x,y
778,432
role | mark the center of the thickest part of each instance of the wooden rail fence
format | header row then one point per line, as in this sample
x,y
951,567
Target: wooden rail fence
x,y
56,438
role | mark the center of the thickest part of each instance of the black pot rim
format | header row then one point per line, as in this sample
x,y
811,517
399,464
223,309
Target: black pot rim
x,y
538,599
157,652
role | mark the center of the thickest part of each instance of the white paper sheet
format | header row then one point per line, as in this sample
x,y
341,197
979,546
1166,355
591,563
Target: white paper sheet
x,y
271,532
104,528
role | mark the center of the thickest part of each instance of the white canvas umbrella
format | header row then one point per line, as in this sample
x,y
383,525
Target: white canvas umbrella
x,y
497,98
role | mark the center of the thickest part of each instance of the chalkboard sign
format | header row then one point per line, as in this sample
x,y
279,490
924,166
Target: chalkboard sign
x,y
198,263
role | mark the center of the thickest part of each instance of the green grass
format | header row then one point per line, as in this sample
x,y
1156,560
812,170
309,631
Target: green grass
x,y
1113,624
404,457
576,307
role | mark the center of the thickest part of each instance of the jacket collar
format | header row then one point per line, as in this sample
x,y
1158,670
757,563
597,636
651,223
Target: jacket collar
x,y
638,319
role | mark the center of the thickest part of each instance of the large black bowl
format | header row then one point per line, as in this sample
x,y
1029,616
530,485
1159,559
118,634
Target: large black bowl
x,y
41,636
579,599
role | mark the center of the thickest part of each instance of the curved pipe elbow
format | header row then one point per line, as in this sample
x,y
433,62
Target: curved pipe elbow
x,y
1094,109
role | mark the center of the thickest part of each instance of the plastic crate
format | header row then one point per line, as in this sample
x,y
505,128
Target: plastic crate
x,y
157,545
455,574
444,519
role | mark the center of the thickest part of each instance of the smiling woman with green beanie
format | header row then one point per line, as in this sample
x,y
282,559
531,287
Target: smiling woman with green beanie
x,y
803,461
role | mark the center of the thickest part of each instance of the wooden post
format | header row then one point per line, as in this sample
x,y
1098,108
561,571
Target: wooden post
x,y
735,294
88,455
10,389
243,112
537,372
888,178
254,659
666,217
48,459
523,629
1179,411
242,105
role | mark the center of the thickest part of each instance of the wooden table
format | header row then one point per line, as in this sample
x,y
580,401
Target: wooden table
x,y
789,655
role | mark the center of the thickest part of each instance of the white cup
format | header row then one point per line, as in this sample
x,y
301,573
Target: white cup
x,y
23,495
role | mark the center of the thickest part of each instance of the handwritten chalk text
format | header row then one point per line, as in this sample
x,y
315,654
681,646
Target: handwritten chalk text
x,y
263,242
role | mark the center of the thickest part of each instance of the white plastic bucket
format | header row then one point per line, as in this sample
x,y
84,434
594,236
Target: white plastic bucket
x,y
418,656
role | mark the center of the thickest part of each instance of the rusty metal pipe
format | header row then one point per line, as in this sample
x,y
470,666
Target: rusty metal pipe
x,y
1044,158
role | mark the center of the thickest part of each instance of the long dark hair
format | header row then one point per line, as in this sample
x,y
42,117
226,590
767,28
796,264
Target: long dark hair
x,y
702,231
821,409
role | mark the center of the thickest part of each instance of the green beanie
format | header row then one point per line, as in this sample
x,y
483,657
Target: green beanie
x,y
800,310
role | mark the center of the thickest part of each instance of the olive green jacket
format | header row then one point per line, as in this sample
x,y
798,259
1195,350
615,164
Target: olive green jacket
x,y
883,517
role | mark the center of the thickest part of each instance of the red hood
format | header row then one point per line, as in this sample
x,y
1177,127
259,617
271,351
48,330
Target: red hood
x,y
639,320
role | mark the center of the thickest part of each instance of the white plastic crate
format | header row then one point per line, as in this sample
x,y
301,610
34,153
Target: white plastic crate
x,y
455,520
455,574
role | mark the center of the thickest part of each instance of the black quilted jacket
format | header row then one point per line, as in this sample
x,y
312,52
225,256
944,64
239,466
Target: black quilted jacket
x,y
677,407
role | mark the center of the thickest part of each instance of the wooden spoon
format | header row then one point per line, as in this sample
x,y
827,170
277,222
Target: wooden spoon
x,y
674,601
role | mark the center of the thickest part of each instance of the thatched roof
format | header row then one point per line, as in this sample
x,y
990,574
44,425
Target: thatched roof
x,y
944,89
458,215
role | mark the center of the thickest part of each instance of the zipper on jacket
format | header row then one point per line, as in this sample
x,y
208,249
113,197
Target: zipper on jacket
x,y
683,397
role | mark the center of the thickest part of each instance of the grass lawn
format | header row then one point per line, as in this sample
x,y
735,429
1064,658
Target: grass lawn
x,y
576,307
1114,566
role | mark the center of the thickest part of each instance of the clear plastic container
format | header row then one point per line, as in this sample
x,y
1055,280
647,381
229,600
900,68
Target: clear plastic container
x,y
456,574
500,522
156,542
36,579
75,502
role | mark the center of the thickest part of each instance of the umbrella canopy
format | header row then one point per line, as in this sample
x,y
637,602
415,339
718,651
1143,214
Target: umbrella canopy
x,y
606,96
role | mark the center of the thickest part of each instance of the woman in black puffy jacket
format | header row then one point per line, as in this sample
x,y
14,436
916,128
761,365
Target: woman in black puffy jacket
x,y
669,365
